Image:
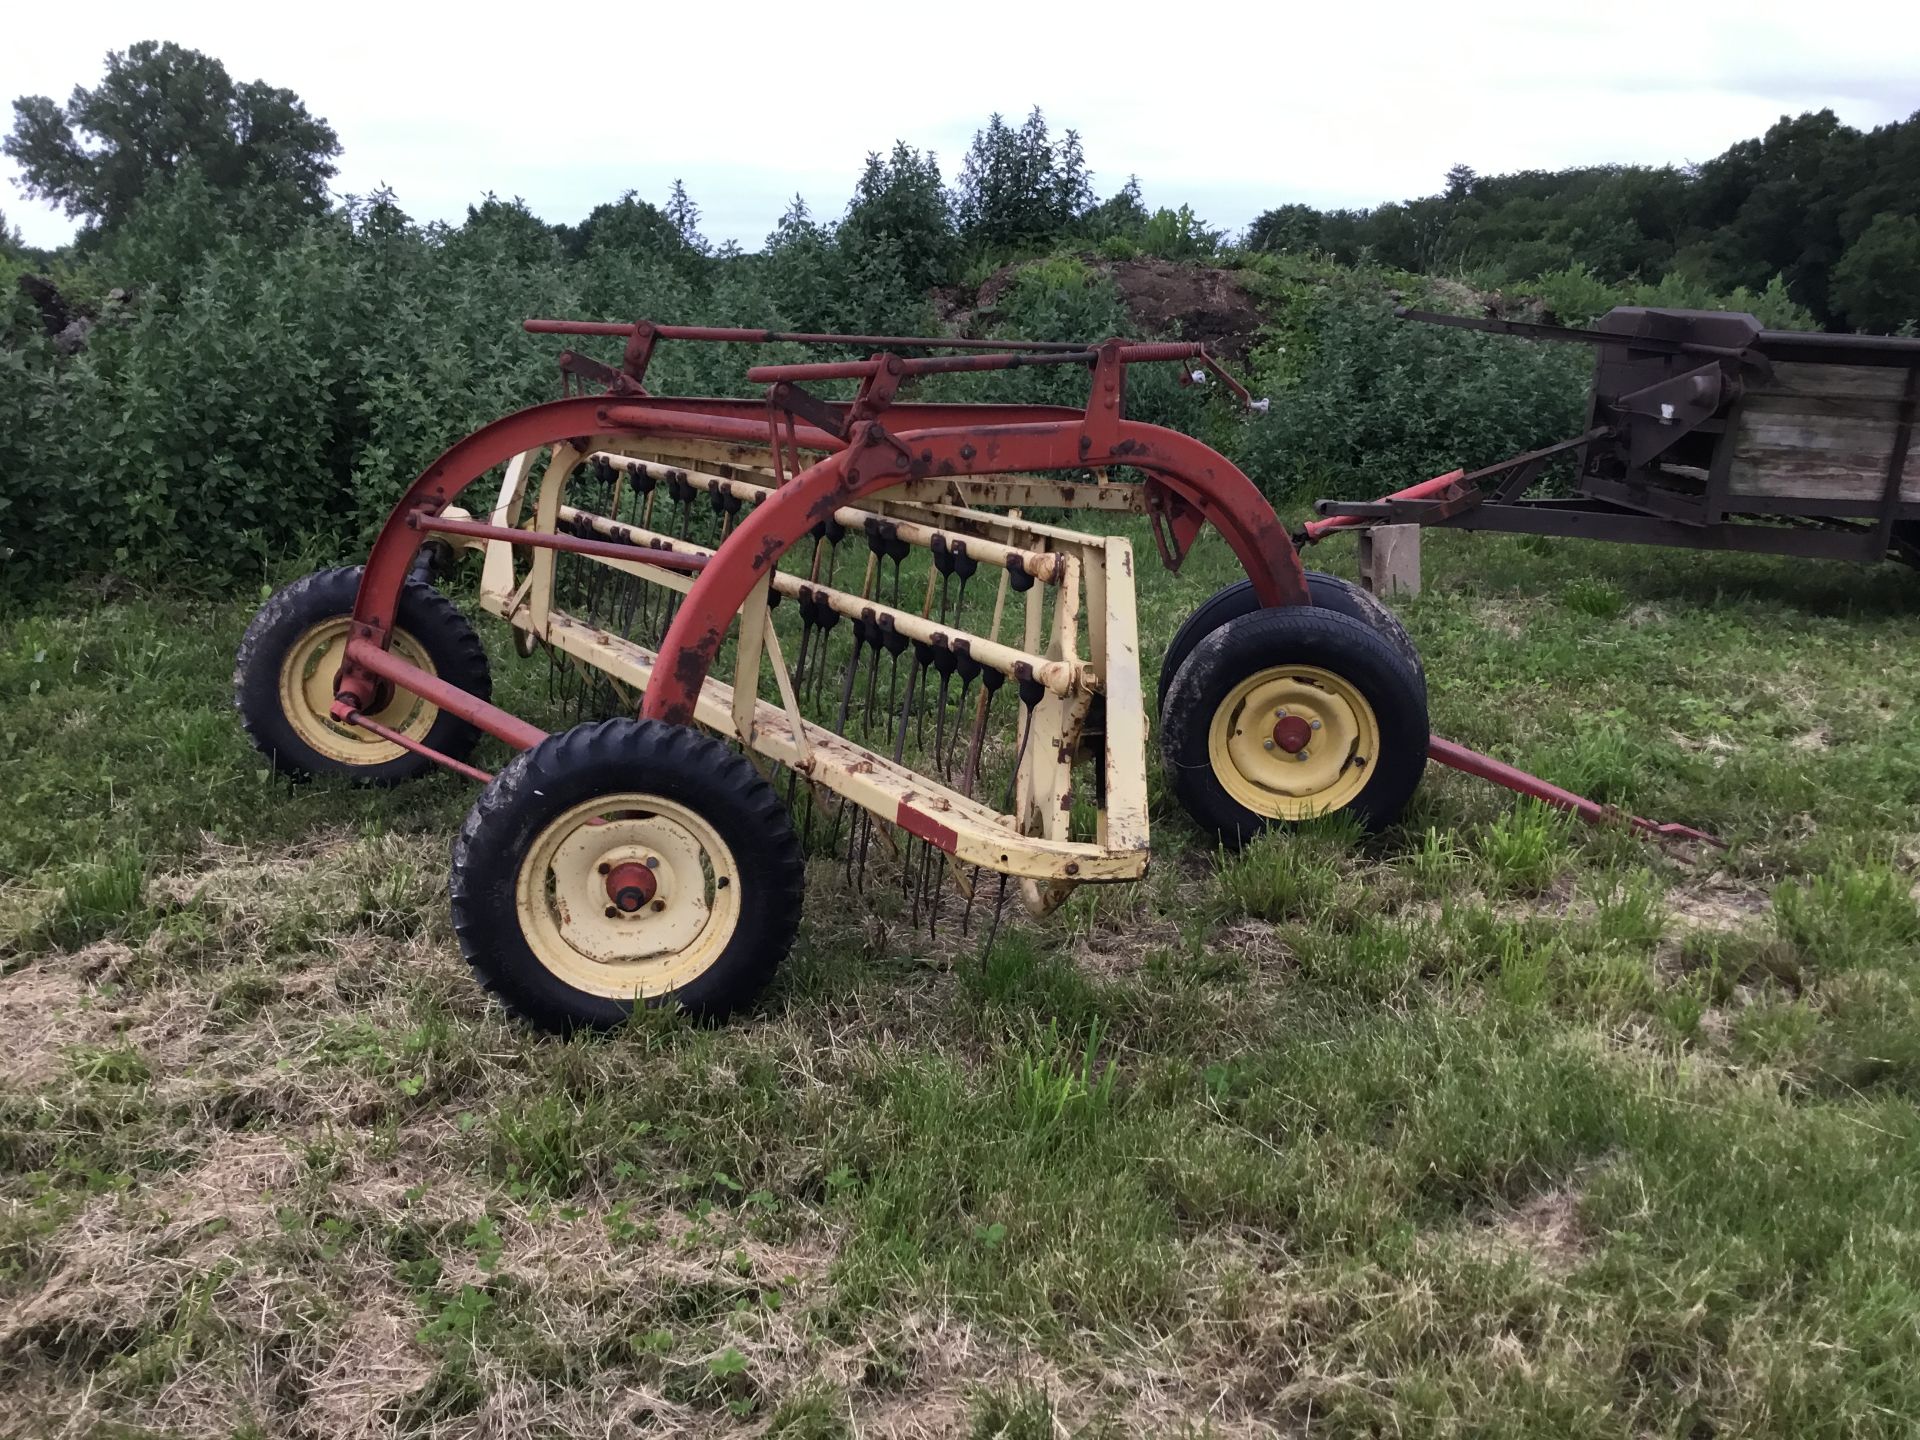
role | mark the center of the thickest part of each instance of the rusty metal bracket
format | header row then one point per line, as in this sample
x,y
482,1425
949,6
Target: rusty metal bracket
x,y
616,382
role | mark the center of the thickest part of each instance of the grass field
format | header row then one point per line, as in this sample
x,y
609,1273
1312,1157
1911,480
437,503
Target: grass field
x,y
1492,1126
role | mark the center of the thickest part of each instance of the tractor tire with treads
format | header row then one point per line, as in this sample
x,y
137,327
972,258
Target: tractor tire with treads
x,y
283,681
1291,713
624,862
1329,592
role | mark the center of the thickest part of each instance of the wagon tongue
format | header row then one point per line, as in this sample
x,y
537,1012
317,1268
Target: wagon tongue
x,y
1472,762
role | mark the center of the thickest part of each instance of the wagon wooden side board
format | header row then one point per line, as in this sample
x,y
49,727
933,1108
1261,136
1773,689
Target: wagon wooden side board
x,y
1704,430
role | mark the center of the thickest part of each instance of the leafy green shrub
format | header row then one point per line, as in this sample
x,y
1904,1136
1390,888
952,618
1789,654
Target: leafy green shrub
x,y
1364,404
1179,235
1576,296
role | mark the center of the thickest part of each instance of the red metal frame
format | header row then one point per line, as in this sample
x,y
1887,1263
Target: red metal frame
x,y
921,441
1188,486
1472,762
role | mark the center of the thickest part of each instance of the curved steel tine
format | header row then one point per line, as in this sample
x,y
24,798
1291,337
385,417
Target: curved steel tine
x,y
846,688
999,905
914,669
959,709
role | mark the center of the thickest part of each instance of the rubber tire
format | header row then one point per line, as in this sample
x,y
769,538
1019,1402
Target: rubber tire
x,y
424,613
1329,592
694,769
1293,634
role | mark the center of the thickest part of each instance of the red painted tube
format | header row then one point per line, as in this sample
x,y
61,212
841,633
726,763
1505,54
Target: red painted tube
x,y
931,365
1314,529
728,335
574,544
1485,767
387,732
1472,762
415,681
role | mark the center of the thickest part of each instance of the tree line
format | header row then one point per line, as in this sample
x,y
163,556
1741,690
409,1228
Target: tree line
x,y
1832,210
229,364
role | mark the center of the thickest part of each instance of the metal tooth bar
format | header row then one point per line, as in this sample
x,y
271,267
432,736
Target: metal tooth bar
x,y
1060,676
1043,565
972,829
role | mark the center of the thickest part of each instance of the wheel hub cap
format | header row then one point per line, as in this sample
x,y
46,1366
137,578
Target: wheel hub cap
x,y
630,886
628,896
1294,741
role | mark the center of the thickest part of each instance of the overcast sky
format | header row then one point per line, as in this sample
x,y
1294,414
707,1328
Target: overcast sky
x,y
1232,107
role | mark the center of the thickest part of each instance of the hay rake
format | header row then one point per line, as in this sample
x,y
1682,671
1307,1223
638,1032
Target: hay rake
x,y
843,630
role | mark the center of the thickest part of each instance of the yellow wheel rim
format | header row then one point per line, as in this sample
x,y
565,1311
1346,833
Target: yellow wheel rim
x,y
306,697
567,913
1294,741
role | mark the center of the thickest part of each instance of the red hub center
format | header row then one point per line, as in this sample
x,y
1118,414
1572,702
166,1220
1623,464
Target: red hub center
x,y
1291,733
630,886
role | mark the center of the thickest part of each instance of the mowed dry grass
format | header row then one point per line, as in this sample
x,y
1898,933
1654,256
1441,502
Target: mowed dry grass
x,y
1490,1125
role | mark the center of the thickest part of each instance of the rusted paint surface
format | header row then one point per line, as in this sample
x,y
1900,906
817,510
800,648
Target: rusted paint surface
x,y
918,822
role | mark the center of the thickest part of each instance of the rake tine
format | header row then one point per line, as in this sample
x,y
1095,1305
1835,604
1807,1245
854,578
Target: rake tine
x,y
833,831
800,651
999,904
846,688
596,581
933,910
1019,754
940,721
959,709
990,682
909,878
893,680
821,665
914,670
873,684
920,889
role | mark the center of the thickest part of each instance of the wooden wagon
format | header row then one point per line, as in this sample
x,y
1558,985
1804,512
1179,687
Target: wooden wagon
x,y
1703,430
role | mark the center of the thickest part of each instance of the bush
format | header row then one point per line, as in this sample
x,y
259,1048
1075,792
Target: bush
x,y
1575,296
1364,404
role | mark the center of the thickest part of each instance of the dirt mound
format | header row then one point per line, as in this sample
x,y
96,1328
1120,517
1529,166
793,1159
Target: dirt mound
x,y
1191,302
